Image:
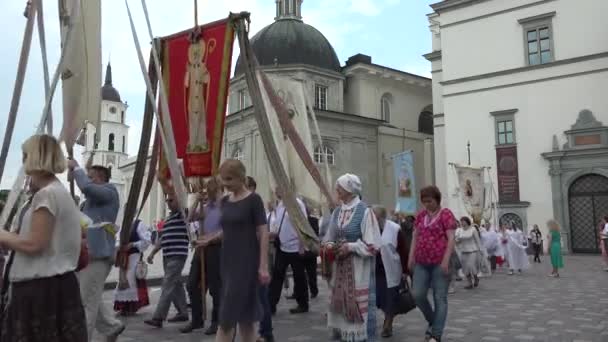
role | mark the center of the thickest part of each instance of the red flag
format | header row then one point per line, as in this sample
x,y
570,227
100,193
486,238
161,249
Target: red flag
x,y
196,72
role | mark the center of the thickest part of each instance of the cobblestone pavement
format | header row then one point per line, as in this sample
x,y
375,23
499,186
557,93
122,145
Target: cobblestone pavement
x,y
528,307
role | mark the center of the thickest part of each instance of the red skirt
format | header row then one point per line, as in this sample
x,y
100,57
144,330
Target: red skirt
x,y
133,307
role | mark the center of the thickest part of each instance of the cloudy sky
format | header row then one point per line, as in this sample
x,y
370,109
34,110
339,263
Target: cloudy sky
x,y
394,32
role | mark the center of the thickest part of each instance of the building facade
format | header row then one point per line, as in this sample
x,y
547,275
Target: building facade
x,y
524,82
366,112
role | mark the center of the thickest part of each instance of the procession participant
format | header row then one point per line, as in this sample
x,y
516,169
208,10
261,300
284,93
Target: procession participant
x,y
516,245
432,247
352,242
603,240
173,241
127,301
265,326
310,258
44,303
554,243
391,268
489,241
290,253
101,205
536,238
244,257
469,243
206,210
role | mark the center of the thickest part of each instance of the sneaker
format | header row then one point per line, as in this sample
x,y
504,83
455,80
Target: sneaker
x,y
511,272
451,289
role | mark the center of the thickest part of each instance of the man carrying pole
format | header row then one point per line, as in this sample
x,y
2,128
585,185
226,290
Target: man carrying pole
x,y
205,268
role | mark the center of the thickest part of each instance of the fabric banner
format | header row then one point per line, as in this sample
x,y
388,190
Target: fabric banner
x,y
291,94
507,174
196,72
405,183
472,190
81,74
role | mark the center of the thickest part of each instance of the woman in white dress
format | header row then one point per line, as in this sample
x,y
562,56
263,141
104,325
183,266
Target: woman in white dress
x,y
469,244
516,246
131,296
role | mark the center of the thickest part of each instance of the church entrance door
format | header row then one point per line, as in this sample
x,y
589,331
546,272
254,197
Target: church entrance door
x,y
588,204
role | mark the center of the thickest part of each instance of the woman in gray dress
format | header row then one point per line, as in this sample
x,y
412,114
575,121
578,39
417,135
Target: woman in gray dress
x,y
244,260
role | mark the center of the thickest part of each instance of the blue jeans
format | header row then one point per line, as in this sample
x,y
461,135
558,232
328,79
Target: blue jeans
x,y
431,277
265,329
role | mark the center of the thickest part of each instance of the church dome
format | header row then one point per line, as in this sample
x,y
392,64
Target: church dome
x,y
290,41
108,92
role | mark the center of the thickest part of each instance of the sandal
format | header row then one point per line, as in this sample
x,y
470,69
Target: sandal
x,y
387,332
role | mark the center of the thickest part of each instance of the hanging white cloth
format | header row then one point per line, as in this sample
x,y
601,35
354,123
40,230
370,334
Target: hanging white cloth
x,y
390,258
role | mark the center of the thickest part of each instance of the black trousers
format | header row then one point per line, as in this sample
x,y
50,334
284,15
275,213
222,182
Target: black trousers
x,y
213,283
493,263
310,266
537,249
300,285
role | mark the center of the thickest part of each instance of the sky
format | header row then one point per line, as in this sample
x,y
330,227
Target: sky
x,y
394,32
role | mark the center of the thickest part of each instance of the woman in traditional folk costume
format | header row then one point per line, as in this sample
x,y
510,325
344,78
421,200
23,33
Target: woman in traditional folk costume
x,y
352,242
127,301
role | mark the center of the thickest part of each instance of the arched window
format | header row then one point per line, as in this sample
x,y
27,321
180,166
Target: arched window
x,y
425,121
95,143
124,144
111,142
122,117
385,107
323,153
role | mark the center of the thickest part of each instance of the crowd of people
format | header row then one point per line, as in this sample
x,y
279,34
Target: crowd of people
x,y
370,258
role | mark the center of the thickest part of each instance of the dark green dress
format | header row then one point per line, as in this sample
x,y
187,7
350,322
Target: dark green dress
x,y
556,250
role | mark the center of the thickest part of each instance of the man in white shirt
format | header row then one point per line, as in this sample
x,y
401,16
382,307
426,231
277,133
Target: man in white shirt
x,y
290,253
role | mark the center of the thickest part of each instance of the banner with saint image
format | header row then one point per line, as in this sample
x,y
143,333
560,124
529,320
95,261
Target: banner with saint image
x,y
471,189
405,184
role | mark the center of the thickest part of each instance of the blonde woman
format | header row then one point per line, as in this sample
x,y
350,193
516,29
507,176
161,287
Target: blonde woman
x,y
244,256
45,303
554,244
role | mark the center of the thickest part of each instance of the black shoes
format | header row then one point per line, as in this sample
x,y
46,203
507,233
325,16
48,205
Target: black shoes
x,y
190,327
212,330
154,322
298,310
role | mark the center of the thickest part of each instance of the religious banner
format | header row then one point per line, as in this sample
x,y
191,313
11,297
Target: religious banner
x,y
196,71
291,94
81,73
472,190
508,174
405,183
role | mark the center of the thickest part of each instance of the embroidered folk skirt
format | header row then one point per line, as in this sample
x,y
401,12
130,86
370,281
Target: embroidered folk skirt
x,y
45,310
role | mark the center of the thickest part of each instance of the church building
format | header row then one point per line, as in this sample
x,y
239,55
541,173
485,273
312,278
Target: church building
x,y
366,112
524,82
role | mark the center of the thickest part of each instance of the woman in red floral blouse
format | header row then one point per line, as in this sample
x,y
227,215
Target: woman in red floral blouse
x,y
432,246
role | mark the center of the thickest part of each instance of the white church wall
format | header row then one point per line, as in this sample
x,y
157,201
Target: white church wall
x,y
502,35
544,109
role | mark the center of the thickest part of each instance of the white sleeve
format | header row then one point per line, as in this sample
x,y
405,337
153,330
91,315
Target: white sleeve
x,y
145,238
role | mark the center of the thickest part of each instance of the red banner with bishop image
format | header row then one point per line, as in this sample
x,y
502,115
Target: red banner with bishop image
x,y
196,71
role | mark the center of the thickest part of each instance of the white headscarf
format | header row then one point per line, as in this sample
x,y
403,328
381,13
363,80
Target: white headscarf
x,y
350,183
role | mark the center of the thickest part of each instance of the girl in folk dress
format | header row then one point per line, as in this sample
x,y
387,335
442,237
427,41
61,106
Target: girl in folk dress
x,y
554,243
353,237
129,300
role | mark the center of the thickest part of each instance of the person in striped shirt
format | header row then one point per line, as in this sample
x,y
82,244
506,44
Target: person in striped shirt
x,y
174,242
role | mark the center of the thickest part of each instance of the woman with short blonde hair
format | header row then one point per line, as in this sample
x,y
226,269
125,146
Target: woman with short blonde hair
x,y
45,303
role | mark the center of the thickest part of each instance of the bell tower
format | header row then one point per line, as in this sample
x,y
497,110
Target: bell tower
x,y
111,149
289,9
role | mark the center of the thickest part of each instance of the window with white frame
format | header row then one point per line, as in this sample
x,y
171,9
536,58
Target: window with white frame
x,y
324,153
242,99
538,39
385,108
505,127
237,152
320,97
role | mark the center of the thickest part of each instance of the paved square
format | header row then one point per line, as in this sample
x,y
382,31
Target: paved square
x,y
530,307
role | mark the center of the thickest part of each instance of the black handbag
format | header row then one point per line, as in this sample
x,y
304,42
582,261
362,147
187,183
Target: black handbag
x,y
405,301
277,240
